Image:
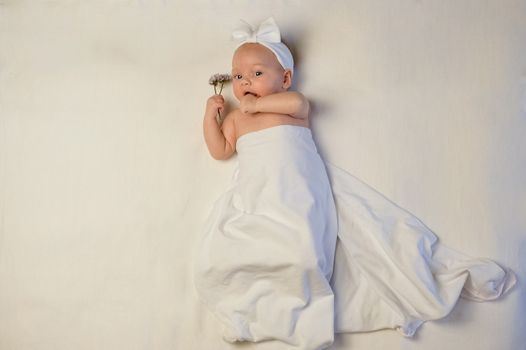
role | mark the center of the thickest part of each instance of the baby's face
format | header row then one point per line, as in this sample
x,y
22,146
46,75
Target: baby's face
x,y
256,70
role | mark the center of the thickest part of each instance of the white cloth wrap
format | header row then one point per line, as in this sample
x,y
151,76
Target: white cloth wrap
x,y
390,269
267,255
265,263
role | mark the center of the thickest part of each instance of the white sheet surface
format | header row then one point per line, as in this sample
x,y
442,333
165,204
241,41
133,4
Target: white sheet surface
x,y
105,180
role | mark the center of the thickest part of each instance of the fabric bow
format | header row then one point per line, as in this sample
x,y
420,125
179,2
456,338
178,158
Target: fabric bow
x,y
268,31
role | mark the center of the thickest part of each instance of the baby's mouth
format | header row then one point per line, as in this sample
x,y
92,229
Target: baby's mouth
x,y
250,93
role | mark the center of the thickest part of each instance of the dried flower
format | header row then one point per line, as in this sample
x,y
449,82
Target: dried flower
x,y
219,79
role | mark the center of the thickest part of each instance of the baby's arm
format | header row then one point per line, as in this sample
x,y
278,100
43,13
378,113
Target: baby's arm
x,y
221,142
292,103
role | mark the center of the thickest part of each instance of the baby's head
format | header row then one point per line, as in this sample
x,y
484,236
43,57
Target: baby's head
x,y
262,64
256,70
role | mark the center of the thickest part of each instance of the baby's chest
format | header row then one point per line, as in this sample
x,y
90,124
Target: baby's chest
x,y
245,123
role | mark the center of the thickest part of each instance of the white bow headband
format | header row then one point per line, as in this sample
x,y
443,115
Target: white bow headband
x,y
268,35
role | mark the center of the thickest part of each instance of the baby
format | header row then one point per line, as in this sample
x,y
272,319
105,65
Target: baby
x,y
297,249
262,74
265,259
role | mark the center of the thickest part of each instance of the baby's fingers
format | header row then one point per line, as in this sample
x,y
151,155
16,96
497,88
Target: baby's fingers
x,y
218,98
221,104
215,102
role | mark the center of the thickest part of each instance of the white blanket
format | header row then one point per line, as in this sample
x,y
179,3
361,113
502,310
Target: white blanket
x,y
288,221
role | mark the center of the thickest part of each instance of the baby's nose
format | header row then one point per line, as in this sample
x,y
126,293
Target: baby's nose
x,y
245,81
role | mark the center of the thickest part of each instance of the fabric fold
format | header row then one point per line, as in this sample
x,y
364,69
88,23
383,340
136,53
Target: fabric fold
x,y
412,276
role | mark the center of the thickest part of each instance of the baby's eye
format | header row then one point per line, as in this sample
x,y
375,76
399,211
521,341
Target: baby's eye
x,y
237,76
258,73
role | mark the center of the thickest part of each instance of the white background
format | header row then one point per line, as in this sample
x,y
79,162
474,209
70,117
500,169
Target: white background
x,y
105,179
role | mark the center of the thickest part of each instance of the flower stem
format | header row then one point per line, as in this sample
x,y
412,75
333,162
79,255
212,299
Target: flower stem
x,y
221,89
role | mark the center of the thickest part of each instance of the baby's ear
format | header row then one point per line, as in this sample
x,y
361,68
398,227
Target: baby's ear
x,y
287,79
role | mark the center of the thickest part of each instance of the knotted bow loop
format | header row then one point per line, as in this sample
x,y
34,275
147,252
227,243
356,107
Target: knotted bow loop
x,y
268,31
268,35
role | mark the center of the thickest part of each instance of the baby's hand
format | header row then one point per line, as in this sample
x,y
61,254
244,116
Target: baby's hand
x,y
213,104
247,104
